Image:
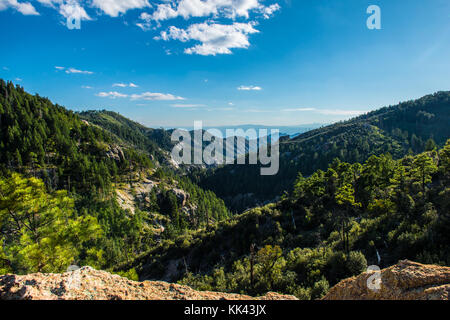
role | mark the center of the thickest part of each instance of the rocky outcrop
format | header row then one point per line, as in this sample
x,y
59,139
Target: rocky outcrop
x,y
116,153
128,196
89,284
182,196
404,281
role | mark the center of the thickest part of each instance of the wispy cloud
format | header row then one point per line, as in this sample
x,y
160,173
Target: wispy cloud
x,y
249,88
73,70
25,8
86,87
148,96
145,23
155,96
112,95
125,85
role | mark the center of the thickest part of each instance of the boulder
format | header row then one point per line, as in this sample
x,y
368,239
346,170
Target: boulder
x,y
406,280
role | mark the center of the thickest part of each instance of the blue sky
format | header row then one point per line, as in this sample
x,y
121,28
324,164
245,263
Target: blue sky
x,y
226,62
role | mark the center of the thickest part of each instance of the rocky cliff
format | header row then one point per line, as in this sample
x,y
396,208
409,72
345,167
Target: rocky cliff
x,y
404,281
89,284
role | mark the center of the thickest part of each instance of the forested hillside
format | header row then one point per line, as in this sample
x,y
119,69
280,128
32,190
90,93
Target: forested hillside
x,y
51,142
60,179
153,141
407,128
333,224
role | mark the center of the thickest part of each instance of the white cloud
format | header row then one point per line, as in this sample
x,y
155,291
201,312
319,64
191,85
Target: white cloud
x,y
115,7
76,71
112,95
249,88
155,96
73,10
124,85
270,10
148,96
24,8
214,38
204,8
145,21
86,87
73,70
68,8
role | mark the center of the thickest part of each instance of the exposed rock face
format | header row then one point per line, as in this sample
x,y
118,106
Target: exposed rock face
x,y
115,153
130,196
182,196
89,284
127,195
404,281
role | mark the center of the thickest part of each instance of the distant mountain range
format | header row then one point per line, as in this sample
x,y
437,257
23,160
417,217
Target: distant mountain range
x,y
398,130
290,131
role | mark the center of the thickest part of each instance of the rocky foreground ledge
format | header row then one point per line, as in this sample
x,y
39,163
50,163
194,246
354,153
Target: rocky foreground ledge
x,y
406,280
89,284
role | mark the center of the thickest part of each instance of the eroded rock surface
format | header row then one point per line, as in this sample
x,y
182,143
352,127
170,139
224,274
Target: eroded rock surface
x,y
89,284
406,280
